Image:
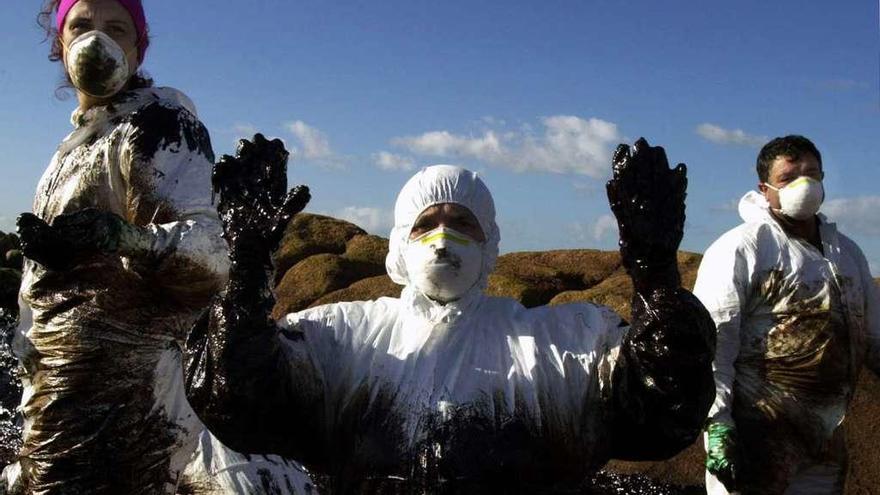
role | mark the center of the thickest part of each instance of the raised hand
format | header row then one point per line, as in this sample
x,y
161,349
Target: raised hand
x,y
255,206
647,198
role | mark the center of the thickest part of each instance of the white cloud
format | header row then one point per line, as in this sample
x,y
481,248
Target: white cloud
x,y
727,206
374,220
874,266
720,135
855,215
600,233
391,162
244,130
568,144
315,146
444,143
239,131
606,224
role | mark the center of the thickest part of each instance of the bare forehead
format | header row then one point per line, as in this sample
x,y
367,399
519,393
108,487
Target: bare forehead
x,y
109,10
785,164
451,210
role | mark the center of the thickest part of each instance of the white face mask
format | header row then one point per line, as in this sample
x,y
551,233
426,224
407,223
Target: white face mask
x,y
443,264
801,198
97,65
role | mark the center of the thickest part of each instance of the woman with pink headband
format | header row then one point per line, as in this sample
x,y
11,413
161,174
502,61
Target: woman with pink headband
x,y
123,252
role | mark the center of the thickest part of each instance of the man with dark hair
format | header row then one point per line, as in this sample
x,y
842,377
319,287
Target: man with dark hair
x,y
797,314
794,147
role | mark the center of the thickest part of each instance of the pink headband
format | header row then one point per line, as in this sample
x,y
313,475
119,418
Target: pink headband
x,y
134,8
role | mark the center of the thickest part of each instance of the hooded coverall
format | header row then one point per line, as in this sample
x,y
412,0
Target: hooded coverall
x,y
407,395
104,406
795,325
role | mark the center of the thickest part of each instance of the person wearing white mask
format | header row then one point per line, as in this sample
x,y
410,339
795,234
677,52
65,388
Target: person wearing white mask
x,y
446,389
798,315
123,251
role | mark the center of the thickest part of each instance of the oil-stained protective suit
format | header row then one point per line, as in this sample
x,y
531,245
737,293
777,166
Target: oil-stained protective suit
x,y
479,395
795,325
104,406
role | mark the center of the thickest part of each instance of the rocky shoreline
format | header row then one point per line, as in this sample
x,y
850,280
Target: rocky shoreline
x,y
10,385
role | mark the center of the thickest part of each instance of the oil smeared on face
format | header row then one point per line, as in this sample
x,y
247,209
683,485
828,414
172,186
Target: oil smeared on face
x,y
96,70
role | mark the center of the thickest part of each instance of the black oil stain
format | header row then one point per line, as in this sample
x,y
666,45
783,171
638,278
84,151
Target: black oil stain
x,y
663,383
787,377
100,408
268,483
159,125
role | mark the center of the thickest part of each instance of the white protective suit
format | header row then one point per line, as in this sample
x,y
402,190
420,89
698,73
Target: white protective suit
x,y
404,393
104,405
795,325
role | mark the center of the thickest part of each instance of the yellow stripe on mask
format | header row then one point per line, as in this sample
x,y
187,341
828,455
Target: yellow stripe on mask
x,y
799,182
445,235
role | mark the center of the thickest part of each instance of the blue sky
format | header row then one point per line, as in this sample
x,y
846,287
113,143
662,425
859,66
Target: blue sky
x,y
534,95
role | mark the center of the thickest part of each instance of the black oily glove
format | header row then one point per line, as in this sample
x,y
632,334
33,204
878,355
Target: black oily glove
x,y
647,198
255,205
74,237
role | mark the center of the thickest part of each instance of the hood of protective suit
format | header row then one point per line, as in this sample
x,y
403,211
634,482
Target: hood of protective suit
x,y
435,185
753,207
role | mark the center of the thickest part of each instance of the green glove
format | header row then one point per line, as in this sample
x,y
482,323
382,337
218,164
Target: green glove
x,y
722,453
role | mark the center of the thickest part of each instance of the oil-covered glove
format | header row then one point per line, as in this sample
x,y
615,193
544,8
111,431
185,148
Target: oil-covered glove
x,y
255,205
721,456
662,383
75,237
647,198
236,376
